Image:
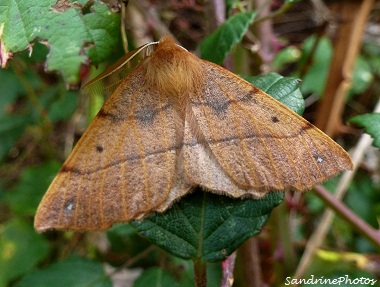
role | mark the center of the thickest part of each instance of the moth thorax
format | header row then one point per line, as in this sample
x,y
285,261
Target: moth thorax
x,y
174,72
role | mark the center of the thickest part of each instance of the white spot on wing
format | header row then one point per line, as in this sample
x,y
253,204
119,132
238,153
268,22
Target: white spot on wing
x,y
319,159
70,206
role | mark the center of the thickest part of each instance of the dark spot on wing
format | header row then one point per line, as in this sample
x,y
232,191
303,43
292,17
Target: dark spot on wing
x,y
74,170
248,97
99,149
275,119
112,116
307,126
147,115
219,108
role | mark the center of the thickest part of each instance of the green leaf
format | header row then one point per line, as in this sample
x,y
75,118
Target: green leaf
x,y
21,248
230,5
155,277
286,90
371,125
371,50
315,79
27,194
68,33
217,45
207,226
286,56
362,76
73,272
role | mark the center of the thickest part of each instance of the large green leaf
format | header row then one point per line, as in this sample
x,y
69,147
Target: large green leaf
x,y
371,125
73,272
285,90
207,226
70,34
21,248
217,45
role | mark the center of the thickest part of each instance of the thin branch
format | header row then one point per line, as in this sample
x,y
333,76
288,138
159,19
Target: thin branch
x,y
228,270
219,12
360,225
274,14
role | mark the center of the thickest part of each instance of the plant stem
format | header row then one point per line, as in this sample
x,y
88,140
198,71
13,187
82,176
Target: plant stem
x,y
274,14
360,225
200,273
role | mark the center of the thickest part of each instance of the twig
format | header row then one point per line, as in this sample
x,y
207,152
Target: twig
x,y
219,12
123,30
274,14
266,36
228,270
360,225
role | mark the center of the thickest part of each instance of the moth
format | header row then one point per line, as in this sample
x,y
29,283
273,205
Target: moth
x,y
176,122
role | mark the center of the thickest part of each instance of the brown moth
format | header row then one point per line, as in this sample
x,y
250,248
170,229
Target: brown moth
x,y
177,122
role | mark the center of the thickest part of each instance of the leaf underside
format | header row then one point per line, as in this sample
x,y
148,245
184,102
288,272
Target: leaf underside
x,y
206,226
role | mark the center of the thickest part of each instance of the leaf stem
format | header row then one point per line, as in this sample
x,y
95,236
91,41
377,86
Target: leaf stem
x,y
360,225
274,14
200,273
